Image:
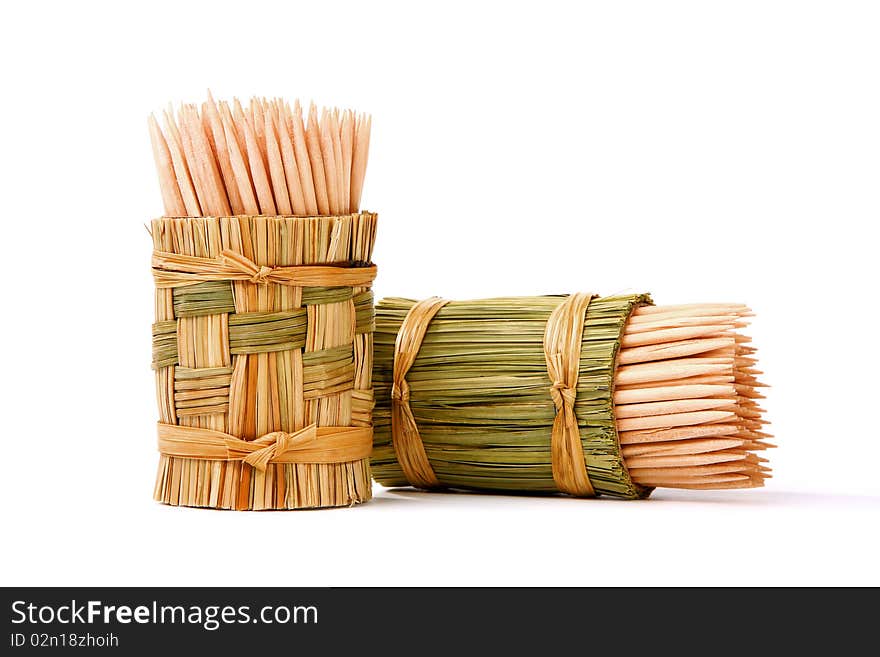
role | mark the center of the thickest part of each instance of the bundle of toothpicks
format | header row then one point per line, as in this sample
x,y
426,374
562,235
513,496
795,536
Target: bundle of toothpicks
x,y
262,345
577,394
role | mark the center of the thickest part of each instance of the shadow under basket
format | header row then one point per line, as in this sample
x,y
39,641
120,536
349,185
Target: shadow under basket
x,y
263,350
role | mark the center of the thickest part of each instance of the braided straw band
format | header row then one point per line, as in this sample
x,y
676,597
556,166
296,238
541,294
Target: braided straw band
x,y
404,432
562,350
312,444
174,270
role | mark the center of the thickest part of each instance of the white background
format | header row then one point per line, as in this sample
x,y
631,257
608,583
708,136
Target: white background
x,y
703,151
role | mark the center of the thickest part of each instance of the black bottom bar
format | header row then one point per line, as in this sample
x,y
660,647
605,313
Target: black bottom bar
x,y
422,621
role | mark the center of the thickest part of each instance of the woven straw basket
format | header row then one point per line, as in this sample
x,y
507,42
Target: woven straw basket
x,y
262,349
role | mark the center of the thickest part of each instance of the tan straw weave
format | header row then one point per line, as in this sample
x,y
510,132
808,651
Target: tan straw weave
x,y
263,349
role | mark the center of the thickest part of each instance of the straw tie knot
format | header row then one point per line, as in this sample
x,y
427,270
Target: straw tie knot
x,y
563,396
400,391
310,444
270,445
172,270
259,274
405,436
563,337
262,276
